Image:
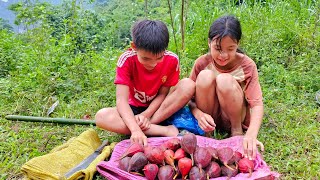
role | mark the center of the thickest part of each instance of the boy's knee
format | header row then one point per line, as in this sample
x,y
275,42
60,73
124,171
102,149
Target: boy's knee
x,y
206,78
186,87
101,116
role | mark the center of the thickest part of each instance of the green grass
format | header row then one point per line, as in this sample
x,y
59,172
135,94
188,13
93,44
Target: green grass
x,y
290,134
282,37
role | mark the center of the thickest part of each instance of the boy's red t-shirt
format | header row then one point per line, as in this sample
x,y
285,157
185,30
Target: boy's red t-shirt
x,y
144,84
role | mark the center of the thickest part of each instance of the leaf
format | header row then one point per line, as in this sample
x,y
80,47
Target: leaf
x,y
51,109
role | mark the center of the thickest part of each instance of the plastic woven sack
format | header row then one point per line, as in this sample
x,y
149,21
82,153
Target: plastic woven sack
x,y
61,159
109,169
184,119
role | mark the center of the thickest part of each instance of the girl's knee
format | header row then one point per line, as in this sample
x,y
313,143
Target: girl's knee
x,y
206,78
226,83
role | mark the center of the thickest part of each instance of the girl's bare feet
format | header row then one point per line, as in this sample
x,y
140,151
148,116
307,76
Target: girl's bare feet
x,y
236,133
209,134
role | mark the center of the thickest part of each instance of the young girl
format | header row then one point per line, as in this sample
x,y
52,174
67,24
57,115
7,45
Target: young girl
x,y
228,94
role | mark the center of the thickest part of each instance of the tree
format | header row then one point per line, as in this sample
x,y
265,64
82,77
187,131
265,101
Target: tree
x,y
29,14
172,25
4,24
183,19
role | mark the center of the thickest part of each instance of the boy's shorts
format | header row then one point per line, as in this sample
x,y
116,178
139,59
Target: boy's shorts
x,y
182,119
137,110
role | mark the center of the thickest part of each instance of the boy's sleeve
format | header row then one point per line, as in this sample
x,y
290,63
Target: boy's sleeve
x,y
174,75
122,72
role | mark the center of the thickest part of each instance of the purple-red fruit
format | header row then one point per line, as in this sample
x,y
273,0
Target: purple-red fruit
x,y
246,166
150,171
132,149
213,170
124,163
188,144
173,144
184,166
213,152
202,157
154,155
169,157
225,155
237,156
197,174
166,173
137,162
180,153
229,172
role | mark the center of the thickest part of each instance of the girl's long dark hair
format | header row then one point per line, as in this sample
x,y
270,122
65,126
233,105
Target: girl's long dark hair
x,y
226,26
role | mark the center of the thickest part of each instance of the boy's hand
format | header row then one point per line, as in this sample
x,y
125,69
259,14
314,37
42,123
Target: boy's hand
x,y
139,137
142,122
250,147
205,121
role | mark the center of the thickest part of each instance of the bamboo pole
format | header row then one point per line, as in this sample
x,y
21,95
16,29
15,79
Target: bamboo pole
x,y
182,25
50,120
173,29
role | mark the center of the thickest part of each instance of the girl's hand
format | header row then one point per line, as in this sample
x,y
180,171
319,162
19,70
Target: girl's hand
x,y
250,147
142,122
205,121
139,137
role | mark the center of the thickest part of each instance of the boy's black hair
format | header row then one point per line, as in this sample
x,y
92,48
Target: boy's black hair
x,y
226,26
150,35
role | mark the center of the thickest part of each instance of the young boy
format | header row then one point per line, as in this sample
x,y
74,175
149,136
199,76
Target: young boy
x,y
143,79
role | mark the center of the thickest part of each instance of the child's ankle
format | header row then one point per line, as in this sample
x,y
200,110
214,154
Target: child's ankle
x,y
172,131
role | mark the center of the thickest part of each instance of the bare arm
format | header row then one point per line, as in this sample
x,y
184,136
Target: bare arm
x,y
255,121
250,141
205,121
156,102
122,95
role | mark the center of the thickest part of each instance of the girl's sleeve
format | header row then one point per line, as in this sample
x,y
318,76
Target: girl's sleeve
x,y
198,66
253,92
194,72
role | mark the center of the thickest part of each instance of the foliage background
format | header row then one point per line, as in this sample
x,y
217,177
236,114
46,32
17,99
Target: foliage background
x,y
68,53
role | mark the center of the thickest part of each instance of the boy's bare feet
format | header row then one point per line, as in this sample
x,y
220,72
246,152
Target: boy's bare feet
x,y
172,131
